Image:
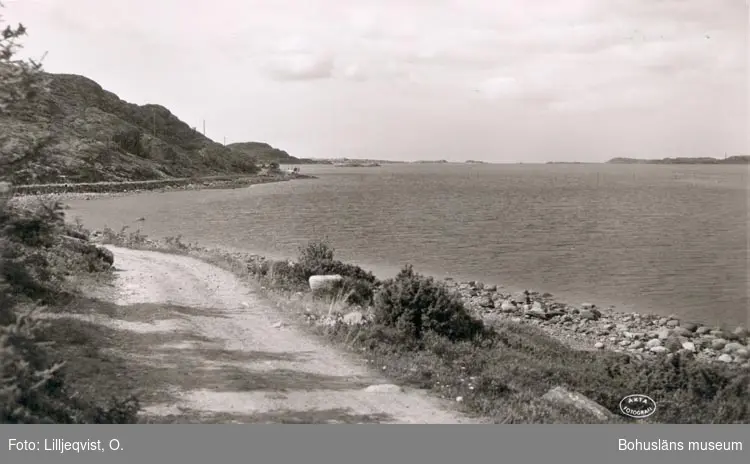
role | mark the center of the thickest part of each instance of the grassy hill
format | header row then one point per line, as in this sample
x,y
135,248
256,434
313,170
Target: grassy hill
x,y
79,132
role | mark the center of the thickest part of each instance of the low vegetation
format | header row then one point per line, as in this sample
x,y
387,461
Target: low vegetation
x,y
419,333
425,337
412,326
40,259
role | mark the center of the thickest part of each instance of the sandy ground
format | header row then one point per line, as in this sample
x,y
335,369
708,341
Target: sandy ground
x,y
286,375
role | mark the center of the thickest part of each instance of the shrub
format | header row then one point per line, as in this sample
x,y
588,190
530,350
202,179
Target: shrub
x,y
129,140
33,387
416,305
317,258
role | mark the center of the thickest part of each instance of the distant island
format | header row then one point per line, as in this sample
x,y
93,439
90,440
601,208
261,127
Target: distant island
x,y
357,164
430,162
568,162
475,162
739,159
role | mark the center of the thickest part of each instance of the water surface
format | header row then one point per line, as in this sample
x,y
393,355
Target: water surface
x,y
659,238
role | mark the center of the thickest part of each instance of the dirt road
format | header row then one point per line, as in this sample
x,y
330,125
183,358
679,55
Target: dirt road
x,y
268,371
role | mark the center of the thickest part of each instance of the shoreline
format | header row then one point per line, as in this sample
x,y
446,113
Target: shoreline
x,y
90,190
583,326
588,327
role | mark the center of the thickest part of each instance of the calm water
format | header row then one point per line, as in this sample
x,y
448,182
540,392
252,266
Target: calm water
x,y
659,239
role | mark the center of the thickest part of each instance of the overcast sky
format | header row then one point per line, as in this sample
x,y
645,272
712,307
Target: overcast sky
x,y
495,80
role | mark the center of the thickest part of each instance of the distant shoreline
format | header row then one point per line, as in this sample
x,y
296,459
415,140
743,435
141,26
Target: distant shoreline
x,y
199,183
705,160
732,160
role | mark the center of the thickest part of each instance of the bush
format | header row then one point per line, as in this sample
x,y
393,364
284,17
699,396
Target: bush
x,y
317,258
129,140
33,387
416,305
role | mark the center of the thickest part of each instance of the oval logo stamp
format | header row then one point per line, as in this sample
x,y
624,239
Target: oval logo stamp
x,y
637,406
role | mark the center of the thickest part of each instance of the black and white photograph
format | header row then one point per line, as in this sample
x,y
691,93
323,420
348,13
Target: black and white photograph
x,y
475,212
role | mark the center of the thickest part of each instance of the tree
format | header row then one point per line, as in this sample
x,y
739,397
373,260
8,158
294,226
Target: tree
x,y
20,80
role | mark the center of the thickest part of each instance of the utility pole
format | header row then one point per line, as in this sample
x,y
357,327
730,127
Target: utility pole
x,y
153,119
225,140
204,127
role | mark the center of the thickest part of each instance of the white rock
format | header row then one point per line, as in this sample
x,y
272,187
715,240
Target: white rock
x,y
664,334
658,349
690,346
577,400
384,388
725,358
718,344
460,399
507,306
653,343
353,318
318,282
599,345
732,347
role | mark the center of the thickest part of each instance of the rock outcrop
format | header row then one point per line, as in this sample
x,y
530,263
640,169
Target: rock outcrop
x,y
79,132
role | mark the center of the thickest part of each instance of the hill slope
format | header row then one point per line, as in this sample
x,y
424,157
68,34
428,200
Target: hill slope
x,y
79,132
261,152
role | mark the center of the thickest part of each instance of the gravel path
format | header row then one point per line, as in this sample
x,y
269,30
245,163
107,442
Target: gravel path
x,y
294,375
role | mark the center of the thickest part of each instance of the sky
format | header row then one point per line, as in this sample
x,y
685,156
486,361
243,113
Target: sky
x,y
492,80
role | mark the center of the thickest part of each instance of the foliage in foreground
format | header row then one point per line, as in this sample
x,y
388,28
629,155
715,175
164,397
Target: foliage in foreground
x,y
34,262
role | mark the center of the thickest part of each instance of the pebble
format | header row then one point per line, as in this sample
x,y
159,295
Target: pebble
x,y
718,344
732,347
689,346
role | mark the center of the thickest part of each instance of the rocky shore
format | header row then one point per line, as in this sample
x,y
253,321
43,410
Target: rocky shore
x,y
585,326
582,326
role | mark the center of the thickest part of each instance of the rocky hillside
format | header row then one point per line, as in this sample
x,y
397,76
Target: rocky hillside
x,y
79,132
263,153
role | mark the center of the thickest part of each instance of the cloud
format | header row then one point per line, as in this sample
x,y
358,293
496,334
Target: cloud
x,y
299,66
429,64
295,58
354,72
